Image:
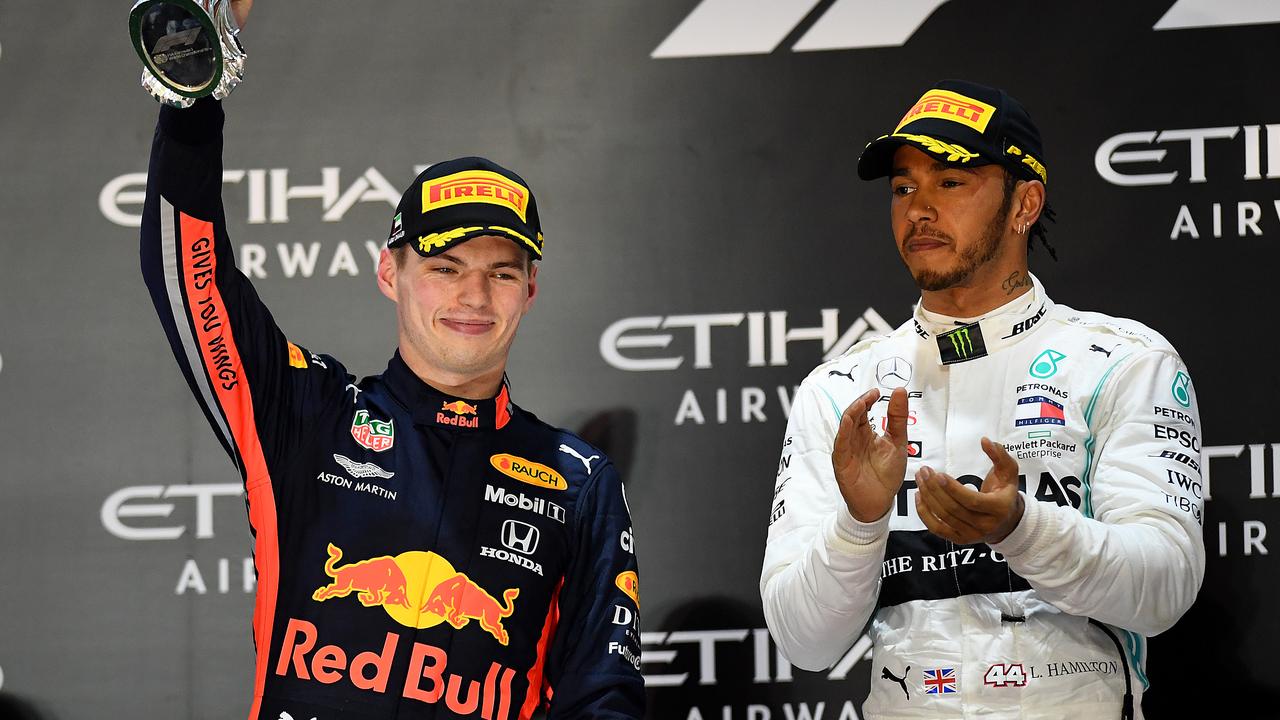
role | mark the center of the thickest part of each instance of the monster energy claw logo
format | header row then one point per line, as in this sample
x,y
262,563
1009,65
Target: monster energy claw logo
x,y
962,344
1046,364
1180,389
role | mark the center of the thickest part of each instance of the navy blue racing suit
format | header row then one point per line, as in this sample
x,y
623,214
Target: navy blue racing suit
x,y
418,555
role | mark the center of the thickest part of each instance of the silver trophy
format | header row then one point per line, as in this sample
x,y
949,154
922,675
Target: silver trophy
x,y
188,48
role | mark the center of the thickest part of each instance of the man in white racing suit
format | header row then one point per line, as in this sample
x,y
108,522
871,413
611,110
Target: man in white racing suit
x,y
1005,493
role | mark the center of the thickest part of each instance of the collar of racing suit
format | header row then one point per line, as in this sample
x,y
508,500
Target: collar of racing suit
x,y
432,407
962,339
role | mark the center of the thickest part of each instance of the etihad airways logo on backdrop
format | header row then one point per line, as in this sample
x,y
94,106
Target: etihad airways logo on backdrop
x,y
1201,155
268,194
767,342
756,27
637,344
273,195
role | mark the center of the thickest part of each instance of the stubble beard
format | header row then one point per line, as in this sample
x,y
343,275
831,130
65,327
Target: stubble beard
x,y
970,260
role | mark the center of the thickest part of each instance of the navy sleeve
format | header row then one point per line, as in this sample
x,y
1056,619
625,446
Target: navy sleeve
x,y
253,385
593,666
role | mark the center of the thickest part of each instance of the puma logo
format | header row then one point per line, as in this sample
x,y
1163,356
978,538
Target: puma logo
x,y
1095,348
885,674
832,373
585,461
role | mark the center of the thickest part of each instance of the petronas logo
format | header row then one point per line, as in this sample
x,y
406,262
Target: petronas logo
x,y
1045,365
1180,389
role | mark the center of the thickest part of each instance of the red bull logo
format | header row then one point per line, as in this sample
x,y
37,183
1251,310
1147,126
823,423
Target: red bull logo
x,y
528,471
377,581
428,680
377,435
460,601
399,585
459,408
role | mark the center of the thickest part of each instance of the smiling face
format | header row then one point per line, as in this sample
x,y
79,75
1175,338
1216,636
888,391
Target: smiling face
x,y
952,224
458,311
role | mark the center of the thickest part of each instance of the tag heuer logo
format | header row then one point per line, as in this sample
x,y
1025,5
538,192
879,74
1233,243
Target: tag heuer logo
x,y
377,435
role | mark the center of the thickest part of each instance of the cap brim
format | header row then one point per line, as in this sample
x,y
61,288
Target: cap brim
x,y
876,160
436,243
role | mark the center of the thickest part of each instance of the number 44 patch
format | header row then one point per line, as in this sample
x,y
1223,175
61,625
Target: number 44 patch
x,y
1002,675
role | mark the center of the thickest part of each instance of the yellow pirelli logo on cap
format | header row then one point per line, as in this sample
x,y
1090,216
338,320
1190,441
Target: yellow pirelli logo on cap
x,y
946,105
472,186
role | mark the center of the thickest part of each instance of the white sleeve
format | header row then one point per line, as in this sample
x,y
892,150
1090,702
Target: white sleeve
x,y
1134,554
821,574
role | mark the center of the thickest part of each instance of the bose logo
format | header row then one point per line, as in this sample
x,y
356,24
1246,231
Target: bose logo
x,y
519,536
758,27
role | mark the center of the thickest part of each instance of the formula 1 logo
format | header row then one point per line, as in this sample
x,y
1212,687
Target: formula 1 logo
x,y
758,27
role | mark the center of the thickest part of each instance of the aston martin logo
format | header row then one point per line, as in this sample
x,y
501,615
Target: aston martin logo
x,y
361,469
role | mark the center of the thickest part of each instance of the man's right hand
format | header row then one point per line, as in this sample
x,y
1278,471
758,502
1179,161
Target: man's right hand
x,y
869,468
240,10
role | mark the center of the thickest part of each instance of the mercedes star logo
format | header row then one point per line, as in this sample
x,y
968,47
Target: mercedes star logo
x,y
893,372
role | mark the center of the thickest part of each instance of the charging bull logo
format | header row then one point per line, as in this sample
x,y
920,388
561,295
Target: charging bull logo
x,y
377,580
460,601
418,589
458,407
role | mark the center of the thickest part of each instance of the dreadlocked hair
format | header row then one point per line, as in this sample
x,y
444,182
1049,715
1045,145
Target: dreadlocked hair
x,y
1038,230
1041,233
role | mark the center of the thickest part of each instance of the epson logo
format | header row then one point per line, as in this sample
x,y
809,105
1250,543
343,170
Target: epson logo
x,y
519,500
755,27
768,335
267,192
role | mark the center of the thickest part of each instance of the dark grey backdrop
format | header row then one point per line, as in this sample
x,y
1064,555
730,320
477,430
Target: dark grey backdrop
x,y
672,186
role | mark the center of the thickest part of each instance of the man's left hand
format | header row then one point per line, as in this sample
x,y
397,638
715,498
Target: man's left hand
x,y
957,512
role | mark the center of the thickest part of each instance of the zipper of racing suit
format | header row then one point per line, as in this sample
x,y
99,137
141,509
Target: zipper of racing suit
x,y
1126,710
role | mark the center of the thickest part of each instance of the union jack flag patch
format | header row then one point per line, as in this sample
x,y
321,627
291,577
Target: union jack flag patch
x,y
941,681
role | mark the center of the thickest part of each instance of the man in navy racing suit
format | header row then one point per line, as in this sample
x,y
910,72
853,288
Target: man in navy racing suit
x,y
424,547
1027,508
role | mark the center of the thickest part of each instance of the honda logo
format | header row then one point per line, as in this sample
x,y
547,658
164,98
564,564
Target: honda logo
x,y
519,536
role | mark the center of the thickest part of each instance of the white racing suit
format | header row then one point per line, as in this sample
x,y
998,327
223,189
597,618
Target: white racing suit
x,y
1100,415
